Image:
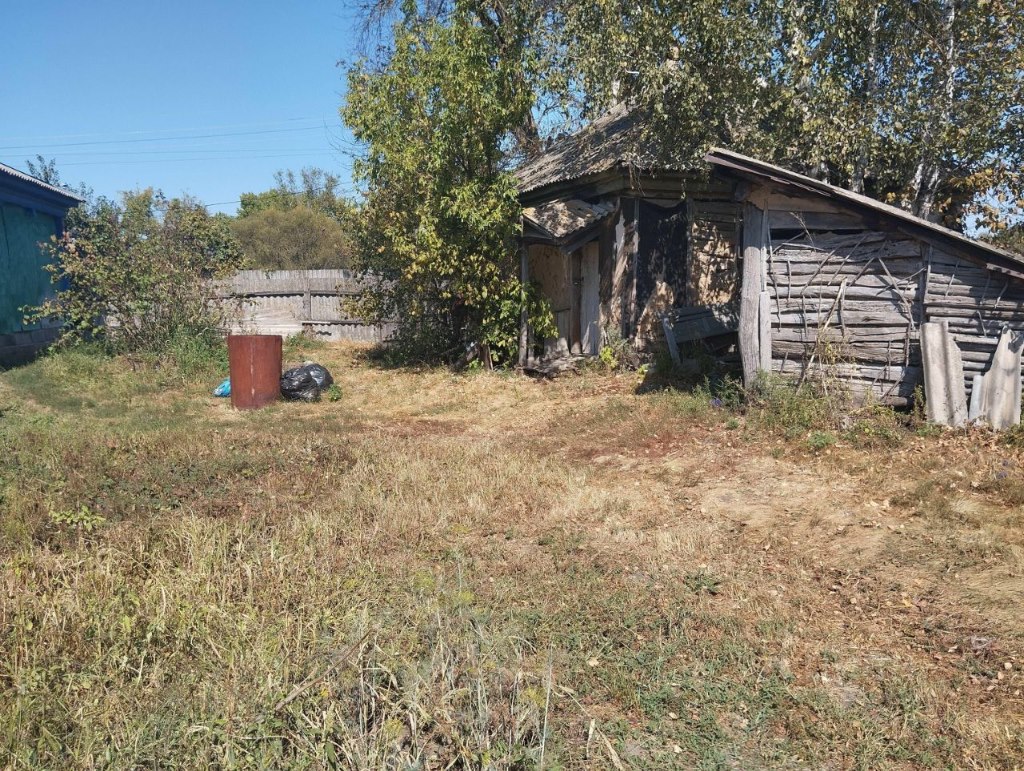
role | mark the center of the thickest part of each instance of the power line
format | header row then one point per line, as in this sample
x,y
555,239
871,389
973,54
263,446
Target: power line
x,y
163,131
225,149
162,139
115,162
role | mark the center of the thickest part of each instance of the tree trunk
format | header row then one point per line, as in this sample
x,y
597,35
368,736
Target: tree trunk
x,y
869,94
928,174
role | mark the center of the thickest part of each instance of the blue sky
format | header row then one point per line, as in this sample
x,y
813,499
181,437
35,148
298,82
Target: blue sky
x,y
207,98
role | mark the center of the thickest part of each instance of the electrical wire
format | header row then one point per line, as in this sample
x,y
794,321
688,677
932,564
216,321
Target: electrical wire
x,y
283,121
115,162
161,139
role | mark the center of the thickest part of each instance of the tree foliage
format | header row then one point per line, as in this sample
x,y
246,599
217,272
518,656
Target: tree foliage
x,y
292,238
441,215
916,103
134,275
312,188
301,223
45,170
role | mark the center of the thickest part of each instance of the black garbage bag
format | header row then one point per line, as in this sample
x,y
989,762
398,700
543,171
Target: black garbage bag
x,y
305,383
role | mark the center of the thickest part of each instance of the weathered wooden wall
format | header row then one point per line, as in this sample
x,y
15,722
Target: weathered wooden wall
x,y
24,281
975,301
288,302
847,305
848,300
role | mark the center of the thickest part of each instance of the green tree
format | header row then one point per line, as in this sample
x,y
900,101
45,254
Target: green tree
x,y
134,275
303,222
312,188
292,238
46,170
914,103
441,215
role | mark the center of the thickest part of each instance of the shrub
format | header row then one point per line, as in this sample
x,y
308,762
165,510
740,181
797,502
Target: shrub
x,y
134,277
820,440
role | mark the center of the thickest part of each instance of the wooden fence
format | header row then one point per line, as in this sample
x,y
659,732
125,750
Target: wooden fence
x,y
290,302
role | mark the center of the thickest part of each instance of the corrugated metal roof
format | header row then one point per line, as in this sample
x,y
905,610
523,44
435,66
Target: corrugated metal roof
x,y
11,171
620,137
563,218
728,159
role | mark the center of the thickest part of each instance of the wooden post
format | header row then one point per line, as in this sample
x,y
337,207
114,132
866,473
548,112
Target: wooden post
x,y
633,241
754,253
764,332
670,339
524,316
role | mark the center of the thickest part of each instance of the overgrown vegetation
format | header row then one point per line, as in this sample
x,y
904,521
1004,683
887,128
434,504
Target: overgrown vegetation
x,y
133,277
441,214
302,223
398,580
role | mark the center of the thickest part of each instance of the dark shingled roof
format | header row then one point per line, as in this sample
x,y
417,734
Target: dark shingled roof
x,y
617,138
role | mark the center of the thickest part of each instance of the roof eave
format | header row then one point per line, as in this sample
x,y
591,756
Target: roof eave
x,y
32,193
922,228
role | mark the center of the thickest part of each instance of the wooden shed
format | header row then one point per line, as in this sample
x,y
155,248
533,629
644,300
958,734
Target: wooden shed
x,y
806,276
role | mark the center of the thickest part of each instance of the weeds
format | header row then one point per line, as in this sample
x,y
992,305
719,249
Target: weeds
x,y
820,440
792,409
435,576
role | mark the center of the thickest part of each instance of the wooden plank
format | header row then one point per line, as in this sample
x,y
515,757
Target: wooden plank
x,y
810,220
755,245
811,306
893,373
524,317
764,319
670,340
847,350
807,264
689,324
776,201
871,334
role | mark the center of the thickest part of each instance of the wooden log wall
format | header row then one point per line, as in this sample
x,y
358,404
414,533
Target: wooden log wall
x,y
851,304
976,302
289,302
846,305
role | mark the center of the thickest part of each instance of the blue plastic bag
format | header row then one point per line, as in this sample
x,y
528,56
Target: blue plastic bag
x,y
224,389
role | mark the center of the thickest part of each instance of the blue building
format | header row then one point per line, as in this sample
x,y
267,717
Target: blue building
x,y
31,213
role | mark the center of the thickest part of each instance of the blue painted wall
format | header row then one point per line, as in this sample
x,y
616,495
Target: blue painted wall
x,y
24,280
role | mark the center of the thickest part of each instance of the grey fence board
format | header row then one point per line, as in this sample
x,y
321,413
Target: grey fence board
x,y
289,302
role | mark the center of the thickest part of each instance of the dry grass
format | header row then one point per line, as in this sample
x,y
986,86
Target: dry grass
x,y
485,571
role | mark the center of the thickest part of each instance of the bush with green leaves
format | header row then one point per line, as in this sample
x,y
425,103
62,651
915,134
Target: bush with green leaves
x,y
302,223
441,213
135,276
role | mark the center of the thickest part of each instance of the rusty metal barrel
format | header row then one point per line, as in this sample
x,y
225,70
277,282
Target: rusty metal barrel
x,y
254,363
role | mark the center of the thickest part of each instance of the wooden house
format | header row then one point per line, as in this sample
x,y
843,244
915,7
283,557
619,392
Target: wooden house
x,y
31,212
807,276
